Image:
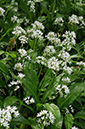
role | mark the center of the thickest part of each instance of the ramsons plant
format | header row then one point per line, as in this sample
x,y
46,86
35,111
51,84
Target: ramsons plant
x,y
42,64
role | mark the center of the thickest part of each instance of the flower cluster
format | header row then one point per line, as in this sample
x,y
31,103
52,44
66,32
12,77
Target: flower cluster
x,y
36,32
31,3
52,37
59,21
74,19
29,100
54,63
46,118
74,127
18,30
49,50
2,11
41,60
22,52
66,80
32,6
14,19
69,40
18,67
7,114
63,90
71,108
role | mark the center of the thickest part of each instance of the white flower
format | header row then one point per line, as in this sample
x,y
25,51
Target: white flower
x,y
54,63
28,100
22,52
73,19
67,80
14,19
20,75
23,39
18,31
52,37
32,5
74,127
6,115
2,11
59,21
18,67
38,25
49,50
45,117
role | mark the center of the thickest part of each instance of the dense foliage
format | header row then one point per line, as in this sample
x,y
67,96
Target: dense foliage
x,y
42,64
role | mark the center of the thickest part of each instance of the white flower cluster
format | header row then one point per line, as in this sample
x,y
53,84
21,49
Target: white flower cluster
x,y
76,20
52,37
14,19
28,100
26,21
15,83
31,3
38,25
21,75
66,80
59,21
36,32
18,31
63,90
72,109
23,39
54,63
6,115
74,127
22,52
68,69
69,40
18,67
41,60
49,50
2,11
81,63
44,117
64,55
32,6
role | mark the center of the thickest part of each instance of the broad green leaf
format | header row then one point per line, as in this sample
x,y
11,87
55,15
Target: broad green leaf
x,y
80,114
31,76
51,86
68,120
10,100
1,52
30,88
4,68
80,123
2,83
20,119
75,90
56,112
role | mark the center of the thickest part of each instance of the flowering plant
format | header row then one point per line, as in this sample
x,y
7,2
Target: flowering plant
x,y
42,64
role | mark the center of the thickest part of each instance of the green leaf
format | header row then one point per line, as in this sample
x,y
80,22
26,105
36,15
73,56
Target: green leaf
x,y
2,83
51,86
56,112
75,91
31,82
31,76
20,119
80,114
10,100
68,120
1,52
4,68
